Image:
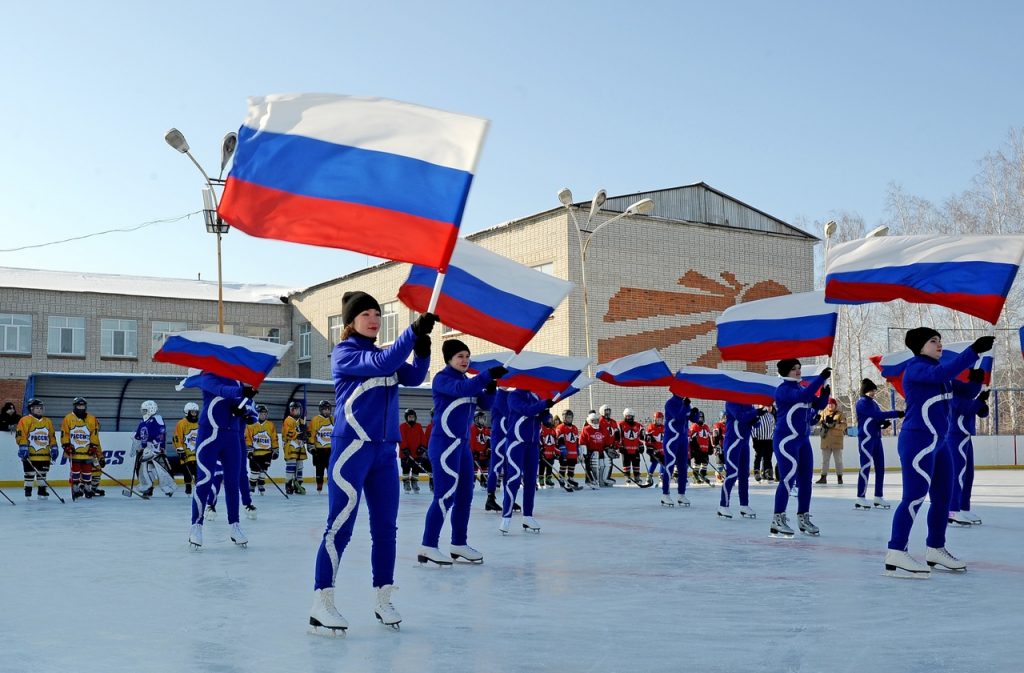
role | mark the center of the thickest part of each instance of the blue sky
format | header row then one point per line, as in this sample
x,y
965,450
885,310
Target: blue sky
x,y
801,109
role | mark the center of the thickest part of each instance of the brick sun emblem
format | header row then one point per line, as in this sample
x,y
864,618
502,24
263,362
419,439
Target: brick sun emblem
x,y
702,296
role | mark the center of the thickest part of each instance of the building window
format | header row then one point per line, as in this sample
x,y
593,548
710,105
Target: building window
x,y
445,330
305,340
162,328
334,329
304,369
15,333
548,268
65,336
270,334
388,322
119,338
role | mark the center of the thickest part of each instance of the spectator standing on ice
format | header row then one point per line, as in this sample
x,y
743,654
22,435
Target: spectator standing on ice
x,y
833,430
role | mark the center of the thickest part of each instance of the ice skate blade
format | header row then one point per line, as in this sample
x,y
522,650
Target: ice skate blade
x,y
393,626
781,535
724,516
462,559
748,516
866,507
535,531
903,574
810,534
242,545
882,507
939,566
193,546
424,560
668,504
960,524
318,629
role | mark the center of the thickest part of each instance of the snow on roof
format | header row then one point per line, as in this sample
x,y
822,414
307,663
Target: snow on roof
x,y
144,286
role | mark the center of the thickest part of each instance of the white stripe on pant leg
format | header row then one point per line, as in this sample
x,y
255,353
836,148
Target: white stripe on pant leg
x,y
788,479
670,454
866,467
962,449
731,468
915,505
508,454
201,506
346,512
448,453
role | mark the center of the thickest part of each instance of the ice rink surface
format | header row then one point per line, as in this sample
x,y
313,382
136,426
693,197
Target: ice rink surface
x,y
614,582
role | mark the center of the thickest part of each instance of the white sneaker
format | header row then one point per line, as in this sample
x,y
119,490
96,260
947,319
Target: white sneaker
x,y
667,501
724,513
195,536
861,503
465,552
385,611
323,614
901,564
975,520
683,500
506,523
433,555
959,519
530,524
881,503
237,536
747,513
942,558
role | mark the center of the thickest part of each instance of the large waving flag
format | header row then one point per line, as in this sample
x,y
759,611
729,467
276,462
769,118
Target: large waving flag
x,y
377,176
234,357
724,384
646,368
893,365
487,295
971,274
543,373
790,326
581,382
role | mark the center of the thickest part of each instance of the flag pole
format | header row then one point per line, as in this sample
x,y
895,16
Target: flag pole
x,y
436,293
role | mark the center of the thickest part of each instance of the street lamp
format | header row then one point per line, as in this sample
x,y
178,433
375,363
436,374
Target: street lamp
x,y
878,232
642,207
214,224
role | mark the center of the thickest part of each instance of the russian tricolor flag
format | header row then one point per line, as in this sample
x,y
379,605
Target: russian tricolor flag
x,y
790,326
377,176
543,373
893,365
582,382
640,369
705,383
487,295
970,274
233,357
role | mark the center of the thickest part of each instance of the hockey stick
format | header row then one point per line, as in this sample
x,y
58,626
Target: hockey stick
x,y
7,497
119,482
135,471
41,478
626,475
271,480
555,474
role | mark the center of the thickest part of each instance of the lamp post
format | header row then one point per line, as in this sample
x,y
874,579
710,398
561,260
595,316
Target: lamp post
x,y
642,207
214,224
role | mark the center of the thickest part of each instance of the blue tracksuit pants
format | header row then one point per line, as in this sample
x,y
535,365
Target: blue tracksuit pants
x,y
795,462
737,468
872,457
927,467
453,490
220,452
496,465
677,457
521,465
962,450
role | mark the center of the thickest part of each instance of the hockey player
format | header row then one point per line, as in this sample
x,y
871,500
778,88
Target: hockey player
x,y
611,430
871,420
967,405
793,452
718,448
480,446
499,431
320,429
294,437
455,398
411,439
261,448
655,444
363,445
631,439
37,447
926,462
567,436
739,422
184,442
80,439
149,449
595,440
548,452
526,410
700,449
678,416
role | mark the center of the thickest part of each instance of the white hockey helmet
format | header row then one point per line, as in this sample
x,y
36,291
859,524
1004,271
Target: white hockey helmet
x,y
190,407
627,413
148,409
594,420
604,409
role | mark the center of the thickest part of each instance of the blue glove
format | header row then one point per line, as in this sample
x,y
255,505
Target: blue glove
x,y
53,455
563,453
22,452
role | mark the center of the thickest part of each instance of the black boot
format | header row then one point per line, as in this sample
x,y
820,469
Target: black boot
x,y
839,478
492,504
821,480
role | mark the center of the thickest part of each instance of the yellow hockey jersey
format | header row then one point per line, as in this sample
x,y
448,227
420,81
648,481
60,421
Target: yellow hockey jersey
x,y
184,440
38,435
294,446
261,438
79,437
320,429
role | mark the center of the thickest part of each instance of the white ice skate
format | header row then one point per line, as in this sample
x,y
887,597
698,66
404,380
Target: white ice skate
x,y
210,514
975,520
780,527
506,523
195,536
682,500
724,513
806,527
861,503
959,519
941,558
530,525
881,503
902,565
237,536
747,513
667,501
432,555
466,553
250,511
385,611
324,618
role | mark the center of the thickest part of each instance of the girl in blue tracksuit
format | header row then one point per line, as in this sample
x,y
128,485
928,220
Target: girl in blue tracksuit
x,y
926,462
227,409
739,422
363,449
456,397
967,405
496,465
794,458
522,454
678,416
871,420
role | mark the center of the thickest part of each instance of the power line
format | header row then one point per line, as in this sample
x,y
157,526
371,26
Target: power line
x,y
101,233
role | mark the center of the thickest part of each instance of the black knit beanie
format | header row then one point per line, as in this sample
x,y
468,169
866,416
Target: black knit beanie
x,y
918,337
354,303
451,348
786,365
866,386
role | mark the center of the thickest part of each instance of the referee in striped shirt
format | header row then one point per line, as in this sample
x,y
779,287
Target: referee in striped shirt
x,y
762,433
